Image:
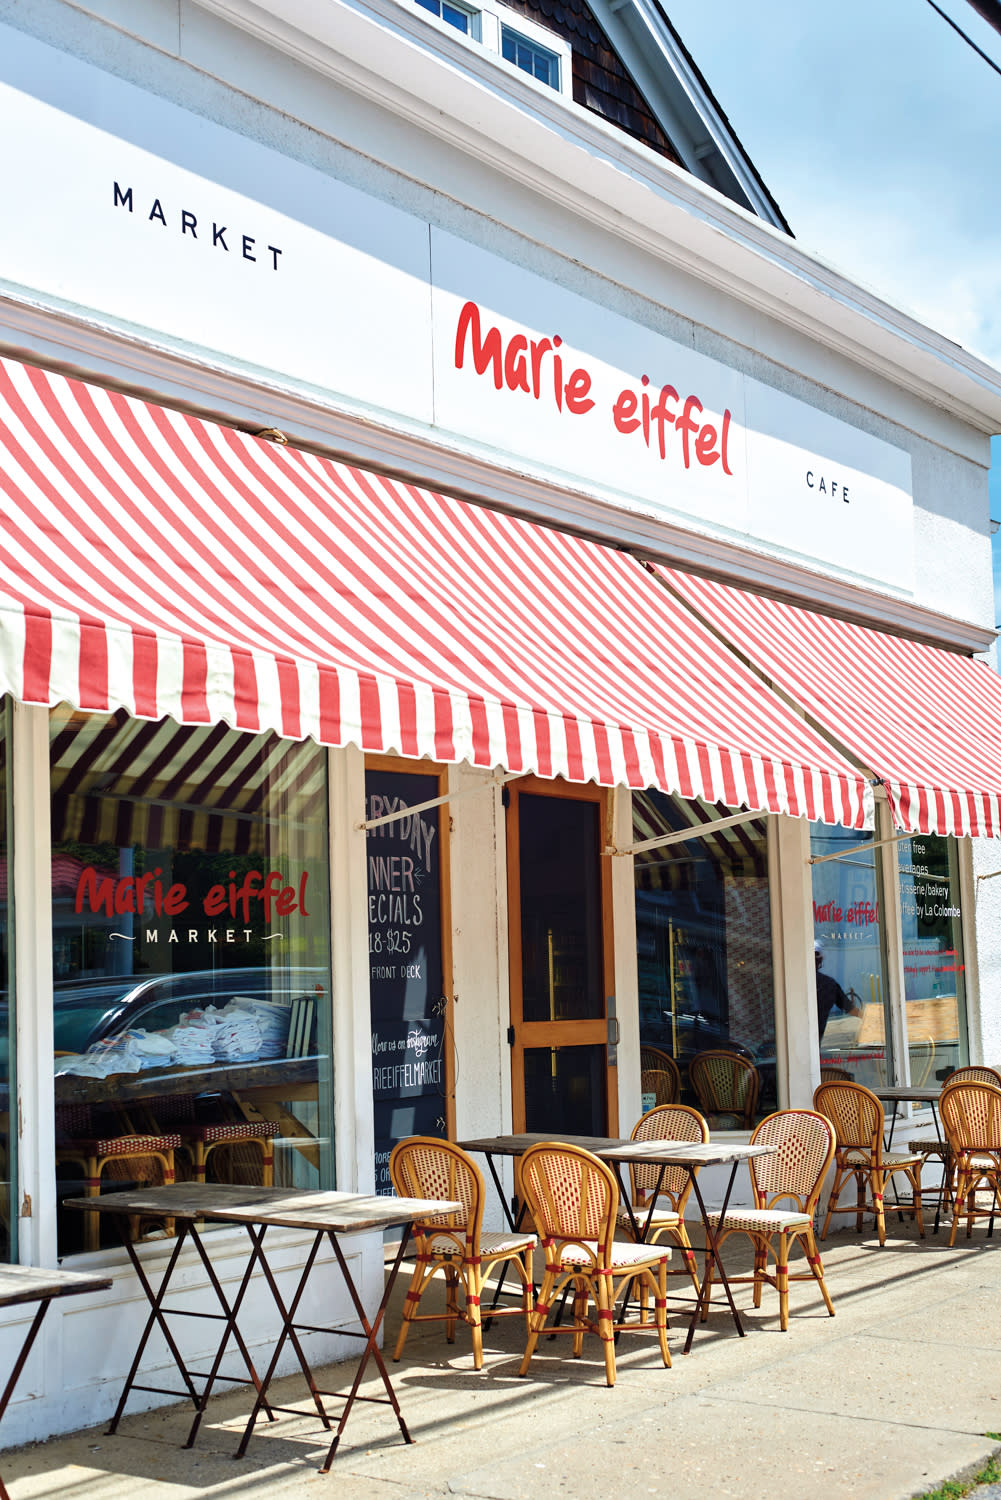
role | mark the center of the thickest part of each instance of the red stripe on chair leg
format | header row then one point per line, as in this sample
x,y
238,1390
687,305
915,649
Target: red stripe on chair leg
x,y
660,1301
543,1307
605,1312
782,1270
472,1301
413,1297
474,1260
813,1260
92,1182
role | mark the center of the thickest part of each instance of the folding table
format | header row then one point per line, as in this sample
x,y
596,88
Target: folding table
x,y
618,1152
325,1215
29,1284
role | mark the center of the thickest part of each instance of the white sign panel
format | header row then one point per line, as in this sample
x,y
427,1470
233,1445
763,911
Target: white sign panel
x,y
134,208
536,371
131,206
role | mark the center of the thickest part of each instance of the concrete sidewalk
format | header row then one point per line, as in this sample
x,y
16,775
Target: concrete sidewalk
x,y
888,1399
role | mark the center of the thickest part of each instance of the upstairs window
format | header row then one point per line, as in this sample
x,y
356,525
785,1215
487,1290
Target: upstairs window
x,y
452,15
530,57
527,46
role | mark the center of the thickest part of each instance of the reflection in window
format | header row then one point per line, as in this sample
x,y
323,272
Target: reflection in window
x,y
190,941
7,1160
934,988
703,930
848,952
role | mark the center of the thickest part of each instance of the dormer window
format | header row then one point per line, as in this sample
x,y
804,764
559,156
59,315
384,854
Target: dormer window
x,y
452,15
523,43
530,57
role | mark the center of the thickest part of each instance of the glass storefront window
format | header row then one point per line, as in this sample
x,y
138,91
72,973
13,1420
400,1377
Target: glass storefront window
x,y
703,932
848,952
934,970
8,1174
191,954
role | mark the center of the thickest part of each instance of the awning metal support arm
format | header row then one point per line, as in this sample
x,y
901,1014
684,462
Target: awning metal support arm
x,y
822,859
419,807
684,834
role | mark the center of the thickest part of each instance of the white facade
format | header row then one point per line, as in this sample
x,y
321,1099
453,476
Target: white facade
x,y
372,174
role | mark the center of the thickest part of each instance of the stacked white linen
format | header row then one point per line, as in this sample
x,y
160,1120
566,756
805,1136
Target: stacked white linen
x,y
237,1036
194,1037
272,1020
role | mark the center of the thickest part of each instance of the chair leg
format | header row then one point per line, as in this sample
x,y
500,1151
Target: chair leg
x,y
451,1302
914,1178
606,1317
411,1303
817,1267
580,1296
760,1266
832,1202
660,1309
860,1202
782,1281
878,1184
959,1198
538,1319
474,1291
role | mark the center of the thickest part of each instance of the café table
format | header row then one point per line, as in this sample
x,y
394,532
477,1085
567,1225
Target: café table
x,y
20,1284
618,1153
327,1216
897,1094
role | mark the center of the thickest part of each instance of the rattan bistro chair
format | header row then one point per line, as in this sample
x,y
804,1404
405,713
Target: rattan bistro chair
x,y
971,1073
857,1117
971,1118
666,1122
574,1199
726,1086
785,1187
454,1244
659,1076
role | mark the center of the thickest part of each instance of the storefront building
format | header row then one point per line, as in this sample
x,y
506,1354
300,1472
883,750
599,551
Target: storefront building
x,y
482,614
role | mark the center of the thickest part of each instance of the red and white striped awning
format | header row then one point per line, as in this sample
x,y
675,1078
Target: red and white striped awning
x,y
166,565
927,722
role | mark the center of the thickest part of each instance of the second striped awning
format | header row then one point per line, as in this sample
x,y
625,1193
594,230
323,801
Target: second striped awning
x,y
165,565
925,722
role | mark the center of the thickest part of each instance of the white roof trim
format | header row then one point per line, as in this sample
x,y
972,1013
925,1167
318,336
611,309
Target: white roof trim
x,y
459,93
681,102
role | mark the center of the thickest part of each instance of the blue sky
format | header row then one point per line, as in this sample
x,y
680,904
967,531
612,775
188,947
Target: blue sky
x,y
876,128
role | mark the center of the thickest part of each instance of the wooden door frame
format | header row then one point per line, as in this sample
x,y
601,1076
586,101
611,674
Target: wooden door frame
x,y
399,765
555,1033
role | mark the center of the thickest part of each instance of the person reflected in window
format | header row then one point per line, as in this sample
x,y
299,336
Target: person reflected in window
x,y
830,995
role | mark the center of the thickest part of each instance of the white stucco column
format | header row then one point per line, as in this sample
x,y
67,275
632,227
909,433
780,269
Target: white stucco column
x,y
797,1042
354,1136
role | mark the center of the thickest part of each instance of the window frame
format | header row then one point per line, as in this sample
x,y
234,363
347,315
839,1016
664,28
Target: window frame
x,y
487,21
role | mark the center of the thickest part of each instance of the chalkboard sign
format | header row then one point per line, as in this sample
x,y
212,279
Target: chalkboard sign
x,y
405,964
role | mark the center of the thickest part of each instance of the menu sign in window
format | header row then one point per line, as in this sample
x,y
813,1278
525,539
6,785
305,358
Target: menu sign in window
x,y
405,963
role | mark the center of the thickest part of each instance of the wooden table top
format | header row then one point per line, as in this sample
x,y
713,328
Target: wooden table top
x,y
517,1145
289,1208
150,1083
684,1153
903,1094
681,1153
32,1284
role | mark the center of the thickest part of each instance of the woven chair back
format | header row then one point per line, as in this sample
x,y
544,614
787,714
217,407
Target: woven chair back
x,y
974,1073
835,1075
659,1075
855,1113
724,1083
922,1056
666,1122
806,1143
971,1116
572,1195
425,1167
